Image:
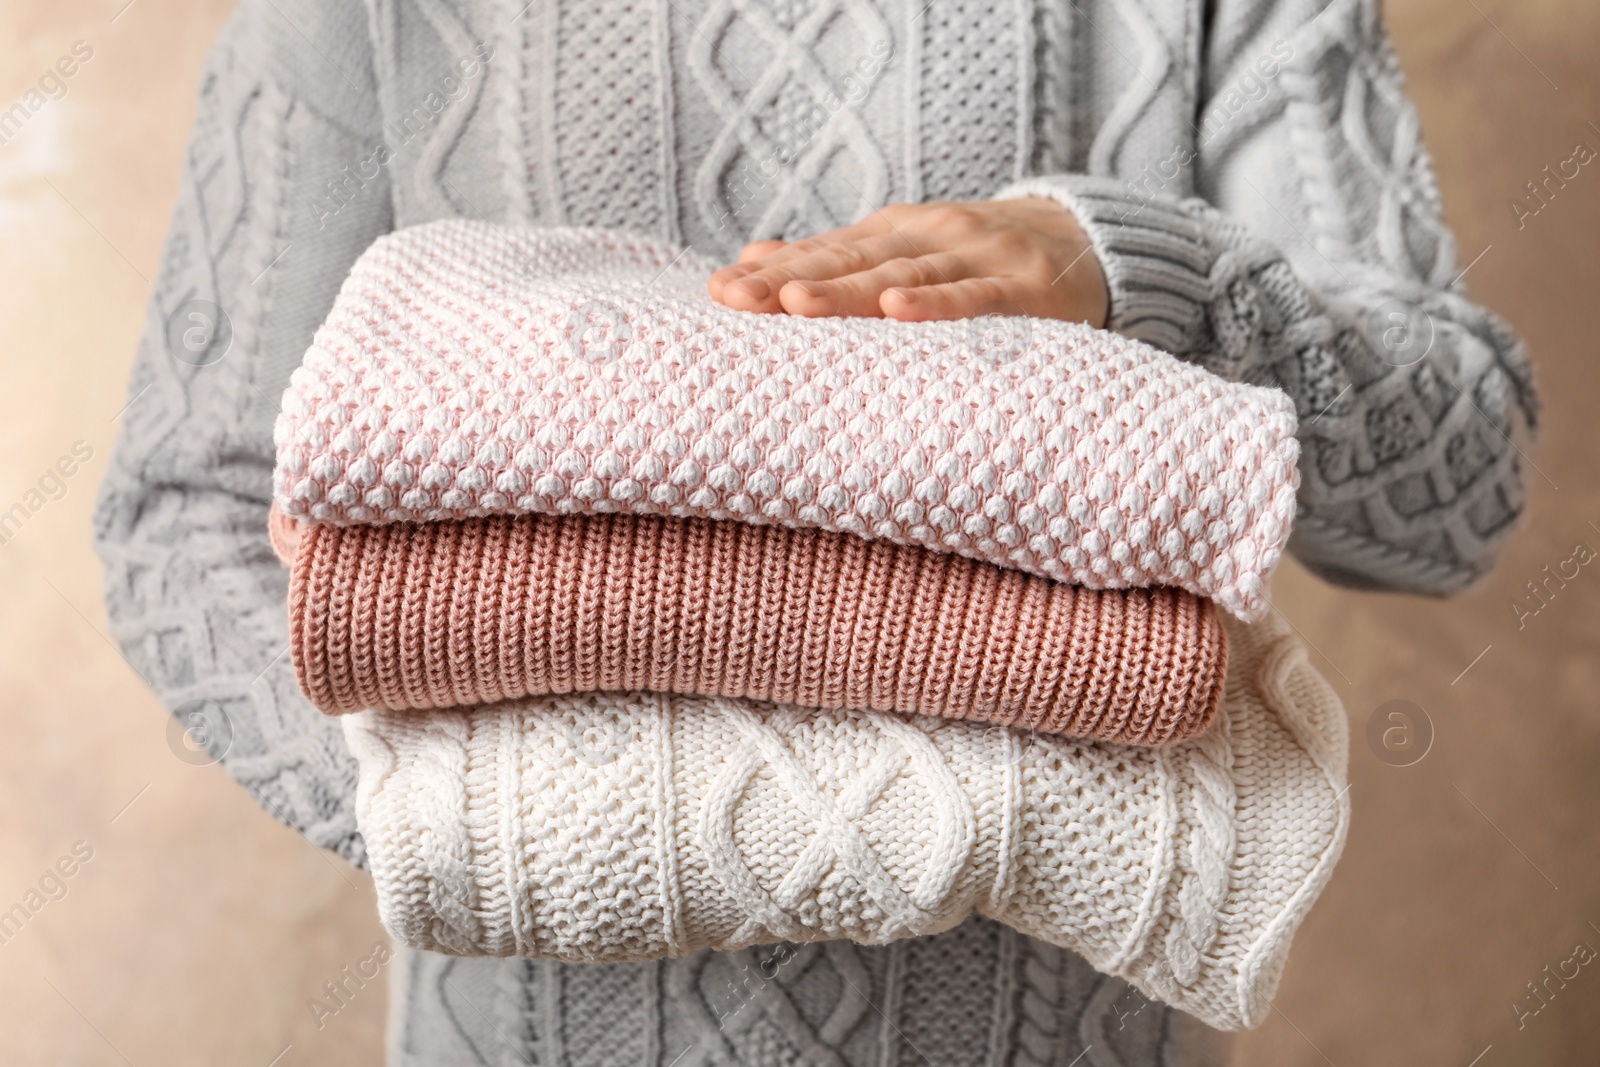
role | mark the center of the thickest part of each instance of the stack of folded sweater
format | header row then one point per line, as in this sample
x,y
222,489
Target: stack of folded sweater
x,y
669,627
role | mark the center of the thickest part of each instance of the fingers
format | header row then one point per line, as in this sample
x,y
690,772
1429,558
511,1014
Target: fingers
x,y
859,293
749,259
755,285
917,262
759,250
959,299
758,255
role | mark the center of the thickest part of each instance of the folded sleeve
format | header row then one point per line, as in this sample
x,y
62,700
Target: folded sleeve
x,y
281,190
1313,256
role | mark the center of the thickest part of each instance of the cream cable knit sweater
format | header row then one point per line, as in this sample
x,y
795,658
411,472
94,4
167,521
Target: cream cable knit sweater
x,y
607,829
1318,201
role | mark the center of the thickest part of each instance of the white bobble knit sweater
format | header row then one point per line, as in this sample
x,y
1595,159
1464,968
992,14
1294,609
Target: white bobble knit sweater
x,y
612,828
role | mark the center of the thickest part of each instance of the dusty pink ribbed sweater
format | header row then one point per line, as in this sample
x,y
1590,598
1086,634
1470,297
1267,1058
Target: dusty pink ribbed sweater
x,y
447,614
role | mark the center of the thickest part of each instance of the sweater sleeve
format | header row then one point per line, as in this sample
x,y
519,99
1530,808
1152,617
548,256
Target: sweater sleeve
x,y
280,193
1314,257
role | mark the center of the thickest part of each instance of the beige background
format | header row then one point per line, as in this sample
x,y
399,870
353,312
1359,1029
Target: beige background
x,y
199,929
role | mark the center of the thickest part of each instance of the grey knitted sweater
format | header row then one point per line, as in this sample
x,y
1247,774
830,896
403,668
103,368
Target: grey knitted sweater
x,y
1249,172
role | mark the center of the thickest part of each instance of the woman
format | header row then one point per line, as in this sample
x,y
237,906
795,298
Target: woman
x,y
1239,182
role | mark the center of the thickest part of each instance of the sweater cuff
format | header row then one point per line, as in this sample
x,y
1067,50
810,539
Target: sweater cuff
x,y
1154,253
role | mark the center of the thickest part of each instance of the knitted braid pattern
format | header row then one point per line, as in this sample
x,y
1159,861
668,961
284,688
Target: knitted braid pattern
x,y
1410,396
1462,456
1184,869
196,599
1208,850
193,594
468,371
452,897
1438,430
977,994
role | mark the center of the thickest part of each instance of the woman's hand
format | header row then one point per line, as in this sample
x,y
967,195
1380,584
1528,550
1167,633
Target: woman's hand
x,y
929,261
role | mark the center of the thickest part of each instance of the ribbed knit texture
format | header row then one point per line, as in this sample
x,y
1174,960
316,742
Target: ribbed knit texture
x,y
623,828
445,614
1407,478
468,370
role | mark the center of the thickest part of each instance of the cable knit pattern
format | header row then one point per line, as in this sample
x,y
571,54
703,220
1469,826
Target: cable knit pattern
x,y
196,599
1410,397
446,614
467,371
193,594
978,994
628,827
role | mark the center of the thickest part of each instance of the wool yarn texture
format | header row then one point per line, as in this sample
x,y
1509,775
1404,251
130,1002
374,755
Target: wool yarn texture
x,y
611,828
468,370
473,611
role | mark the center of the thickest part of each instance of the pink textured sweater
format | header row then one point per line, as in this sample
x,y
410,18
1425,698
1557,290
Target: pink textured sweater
x,y
455,613
470,370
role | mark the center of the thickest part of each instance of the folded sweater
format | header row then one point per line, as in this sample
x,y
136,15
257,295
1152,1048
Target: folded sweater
x,y
632,827
444,614
469,370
